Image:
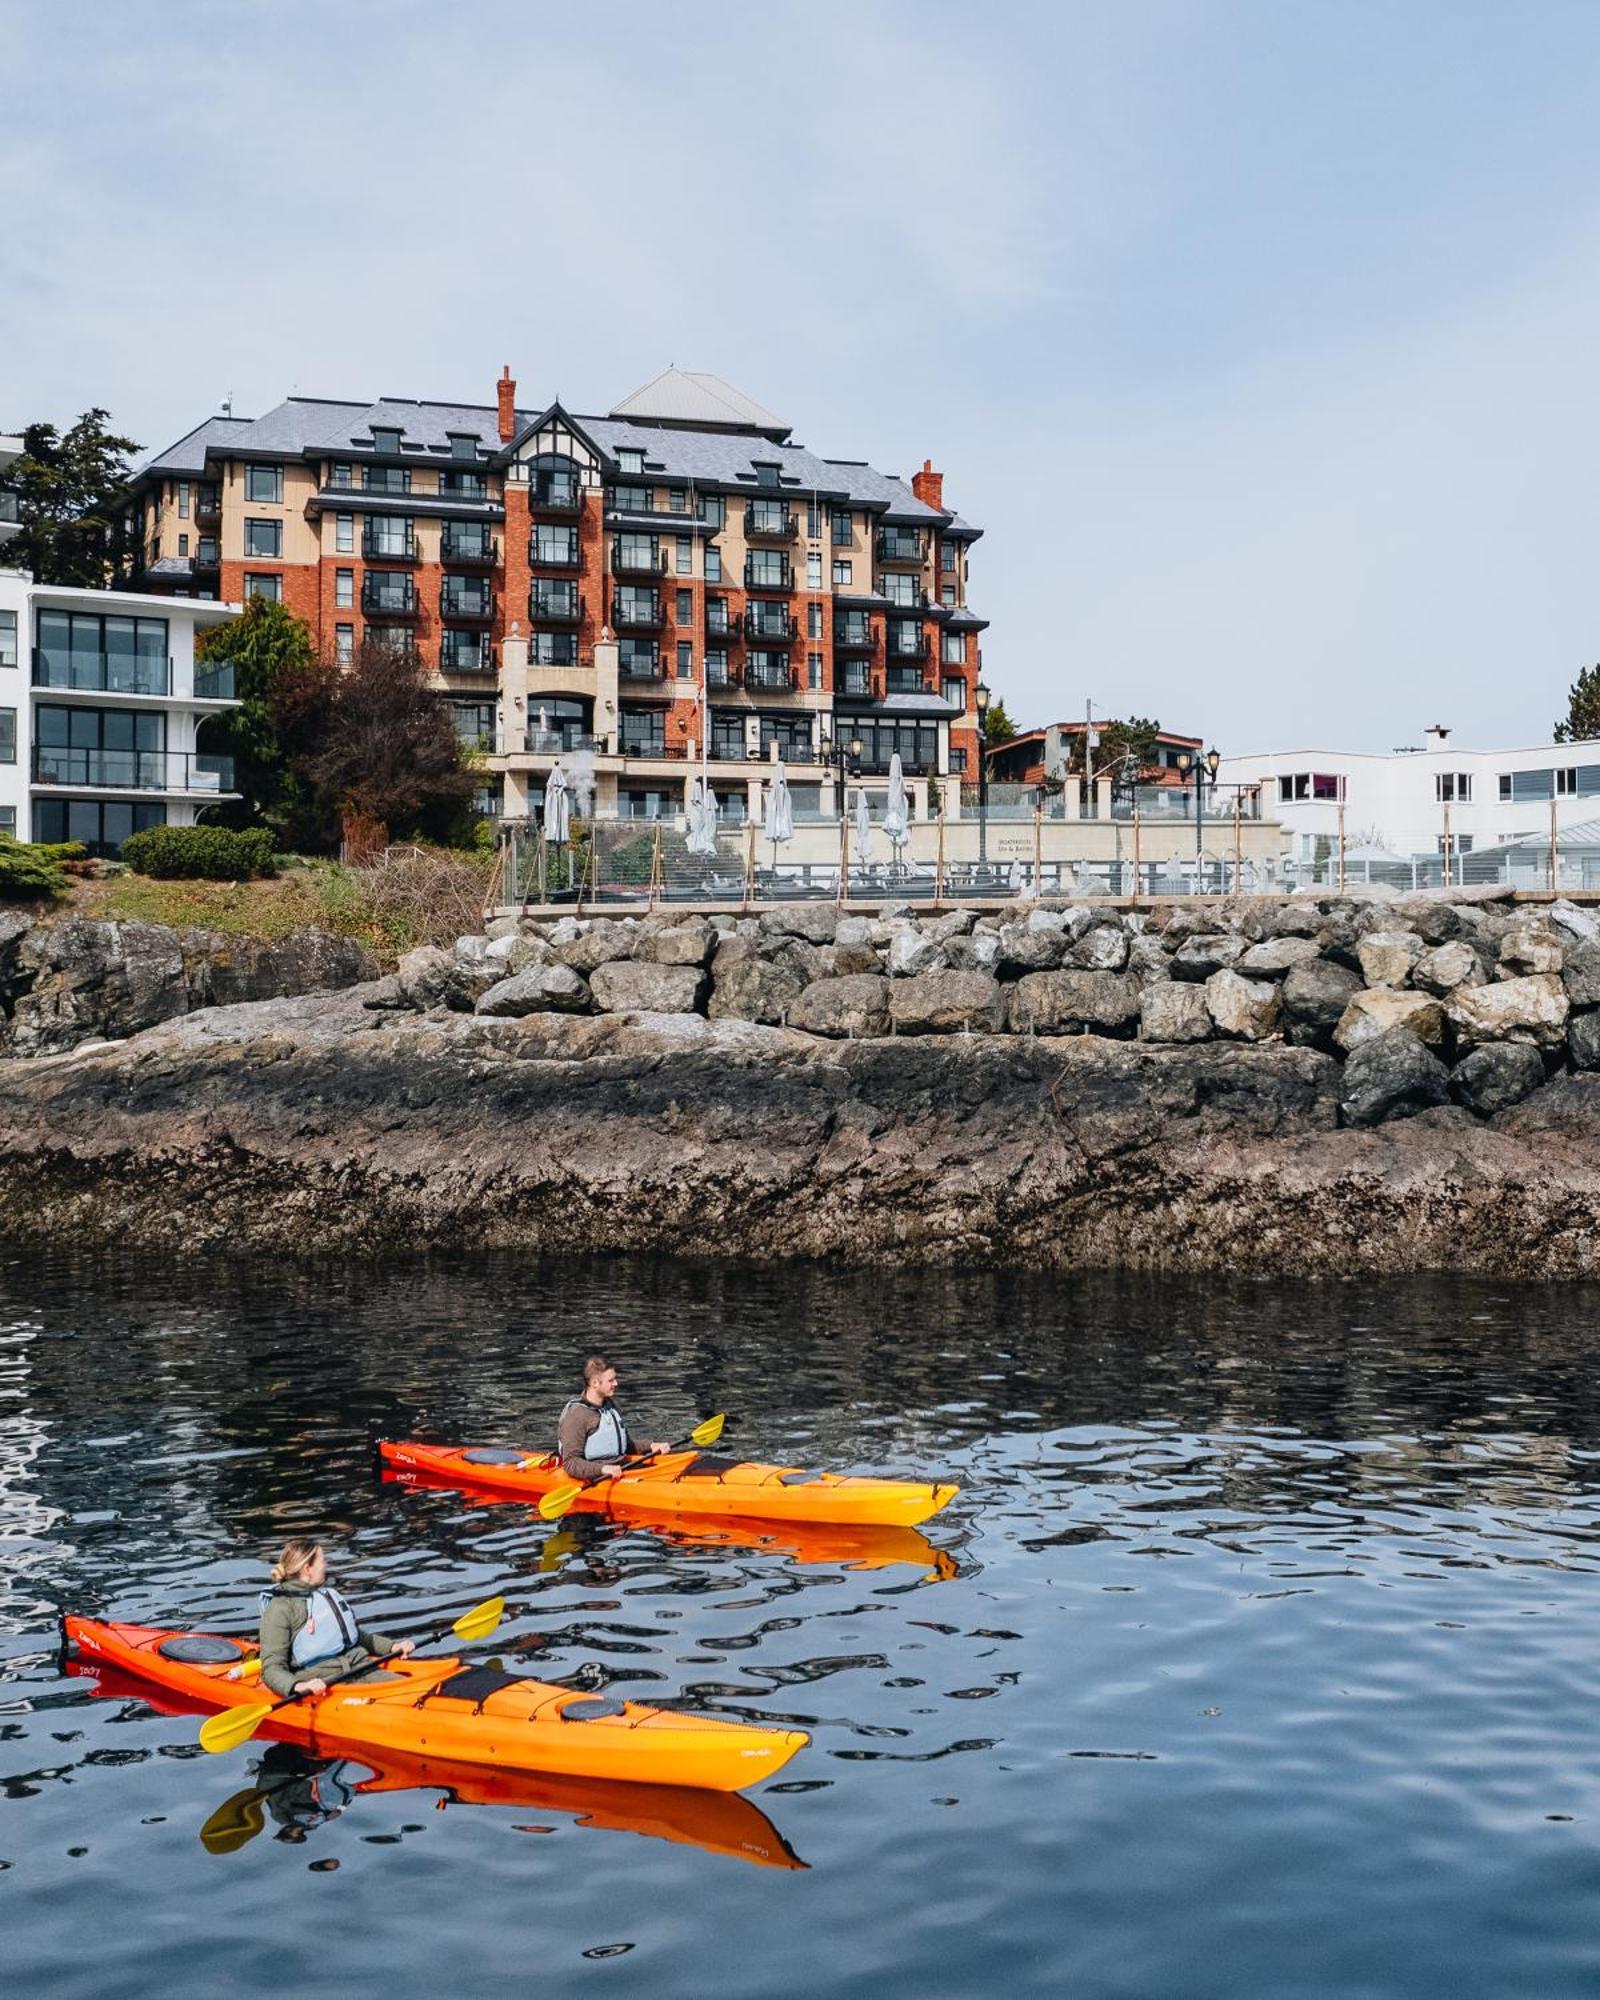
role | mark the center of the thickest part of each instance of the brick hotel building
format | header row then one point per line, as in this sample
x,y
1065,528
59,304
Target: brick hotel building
x,y
604,585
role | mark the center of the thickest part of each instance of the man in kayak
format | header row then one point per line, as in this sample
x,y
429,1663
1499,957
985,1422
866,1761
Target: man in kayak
x,y
591,1438
309,1634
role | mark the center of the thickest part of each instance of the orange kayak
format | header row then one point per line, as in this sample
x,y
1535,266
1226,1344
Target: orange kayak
x,y
717,1822
458,1714
681,1485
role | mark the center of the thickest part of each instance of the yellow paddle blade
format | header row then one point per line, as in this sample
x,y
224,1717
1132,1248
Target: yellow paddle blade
x,y
481,1620
556,1502
234,1822
233,1726
710,1430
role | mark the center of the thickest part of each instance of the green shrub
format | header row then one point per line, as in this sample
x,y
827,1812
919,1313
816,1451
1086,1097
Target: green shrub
x,y
216,853
27,872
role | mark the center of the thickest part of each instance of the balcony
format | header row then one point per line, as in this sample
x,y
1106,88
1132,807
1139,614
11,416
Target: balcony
x,y
640,663
555,601
791,749
719,625
553,549
101,673
469,488
214,683
386,479
769,520
764,572
133,770
720,675
768,673
642,742
906,680
727,746
555,493
637,557
467,542
381,542
907,642
208,503
554,649
853,633
205,554
561,741
466,653
386,596
637,611
855,678
469,597
769,626
899,545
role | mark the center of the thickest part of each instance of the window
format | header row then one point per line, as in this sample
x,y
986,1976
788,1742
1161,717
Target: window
x,y
685,660
8,735
844,572
842,526
766,475
901,589
8,820
475,722
716,666
263,538
8,638
183,499
1505,787
1567,782
339,474
344,644
1460,843
545,649
81,650
264,483
1327,785
954,690
813,570
713,563
463,444
685,609
183,545
1453,787
628,499
813,521
948,559
555,543
712,507
101,828
958,762
677,500
630,461
1292,786
385,443
460,485
813,621
813,670
684,565
344,589
269,587
953,649
947,593
344,534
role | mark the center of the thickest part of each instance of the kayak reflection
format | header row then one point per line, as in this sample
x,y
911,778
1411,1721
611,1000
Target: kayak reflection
x,y
801,1541
299,1793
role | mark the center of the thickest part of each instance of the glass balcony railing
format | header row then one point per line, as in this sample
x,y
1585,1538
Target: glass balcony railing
x,y
899,545
466,597
386,479
553,548
764,574
854,679
853,633
768,676
134,770
389,596
100,672
555,601
642,743
388,543
465,653
637,557
214,683
555,493
463,486
636,610
8,506
464,542
769,518
561,741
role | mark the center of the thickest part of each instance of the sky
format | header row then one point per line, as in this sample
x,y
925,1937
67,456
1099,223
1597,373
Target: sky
x,y
1262,338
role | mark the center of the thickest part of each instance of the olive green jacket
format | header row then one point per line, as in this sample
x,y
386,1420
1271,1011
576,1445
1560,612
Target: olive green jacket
x,y
282,1616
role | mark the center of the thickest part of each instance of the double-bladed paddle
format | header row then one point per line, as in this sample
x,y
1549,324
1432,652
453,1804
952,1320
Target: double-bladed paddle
x,y
556,1502
237,1725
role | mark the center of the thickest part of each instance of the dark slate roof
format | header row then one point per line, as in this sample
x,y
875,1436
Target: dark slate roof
x,y
960,619
188,455
957,530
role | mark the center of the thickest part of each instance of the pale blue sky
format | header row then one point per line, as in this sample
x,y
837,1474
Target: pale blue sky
x,y
1261,338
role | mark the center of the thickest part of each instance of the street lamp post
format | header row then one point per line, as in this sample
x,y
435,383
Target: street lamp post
x,y
1202,767
981,697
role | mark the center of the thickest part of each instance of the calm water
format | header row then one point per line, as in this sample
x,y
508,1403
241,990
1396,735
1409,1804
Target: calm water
x,y
1268,1663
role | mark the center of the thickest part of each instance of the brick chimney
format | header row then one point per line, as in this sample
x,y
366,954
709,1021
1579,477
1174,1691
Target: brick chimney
x,y
506,391
928,486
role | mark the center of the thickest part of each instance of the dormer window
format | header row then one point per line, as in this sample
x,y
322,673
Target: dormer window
x,y
630,461
766,475
463,444
385,443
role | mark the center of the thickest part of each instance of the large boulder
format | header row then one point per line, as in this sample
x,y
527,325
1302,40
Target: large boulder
x,y
633,986
910,952
1566,916
980,952
1174,1010
1532,1009
1380,1009
947,1003
537,989
1448,966
1580,972
1387,956
1432,920
1051,1003
1497,1076
1583,1040
1316,993
1276,958
1245,1010
1102,948
855,1005
1199,957
817,923
681,944
603,943
1531,948
1391,1076
747,987
1024,949
426,976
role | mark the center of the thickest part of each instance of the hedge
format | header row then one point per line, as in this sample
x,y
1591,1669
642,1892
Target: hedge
x,y
217,853
27,871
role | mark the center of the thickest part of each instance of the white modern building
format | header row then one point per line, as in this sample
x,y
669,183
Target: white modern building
x,y
10,452
1432,806
102,704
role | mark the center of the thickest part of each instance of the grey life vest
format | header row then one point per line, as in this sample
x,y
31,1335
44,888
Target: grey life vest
x,y
609,1438
330,1628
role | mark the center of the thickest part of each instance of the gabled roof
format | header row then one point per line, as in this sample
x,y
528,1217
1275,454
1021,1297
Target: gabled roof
x,y
681,396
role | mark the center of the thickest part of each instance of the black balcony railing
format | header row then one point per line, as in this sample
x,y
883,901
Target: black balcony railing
x,y
208,503
102,673
899,545
905,680
467,542
769,518
469,597
719,674
854,677
769,627
768,676
556,549
389,596
555,493
133,770
764,574
640,663
718,623
853,633
907,643
383,542
386,479
465,653
555,601
468,486
636,610
637,558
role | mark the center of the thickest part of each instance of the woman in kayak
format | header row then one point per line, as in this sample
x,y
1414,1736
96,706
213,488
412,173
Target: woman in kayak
x,y
310,1637
591,1438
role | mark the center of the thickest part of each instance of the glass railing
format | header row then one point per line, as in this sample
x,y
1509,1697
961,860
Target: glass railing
x,y
766,627
561,742
134,770
102,673
214,683
729,746
767,677
459,599
854,680
853,632
474,658
637,607
556,494
393,599
768,518
768,576
644,746
463,486
896,545
386,479
555,600
456,546
559,551
389,547
8,506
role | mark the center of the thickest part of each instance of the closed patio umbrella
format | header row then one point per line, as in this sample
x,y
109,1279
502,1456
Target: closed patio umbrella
x,y
897,813
702,817
557,809
863,834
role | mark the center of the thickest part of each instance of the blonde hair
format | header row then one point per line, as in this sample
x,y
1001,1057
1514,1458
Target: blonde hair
x,y
295,1555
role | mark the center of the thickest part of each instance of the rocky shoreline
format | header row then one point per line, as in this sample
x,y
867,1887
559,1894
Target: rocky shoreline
x,y
1165,1121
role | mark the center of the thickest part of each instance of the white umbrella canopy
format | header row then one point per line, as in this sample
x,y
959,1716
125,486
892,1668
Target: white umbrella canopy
x,y
863,833
897,814
778,821
557,809
702,817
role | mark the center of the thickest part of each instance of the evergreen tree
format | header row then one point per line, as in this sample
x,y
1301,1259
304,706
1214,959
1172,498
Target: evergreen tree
x,y
284,694
1582,724
997,725
71,489
1136,737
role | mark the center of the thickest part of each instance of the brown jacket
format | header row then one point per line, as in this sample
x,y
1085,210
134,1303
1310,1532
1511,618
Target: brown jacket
x,y
579,1422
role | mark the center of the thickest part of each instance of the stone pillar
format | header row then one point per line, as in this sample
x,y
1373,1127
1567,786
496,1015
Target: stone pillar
x,y
1102,798
607,715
